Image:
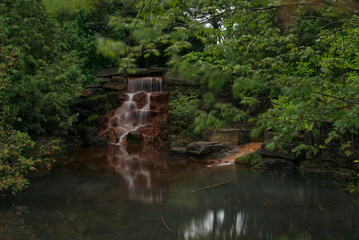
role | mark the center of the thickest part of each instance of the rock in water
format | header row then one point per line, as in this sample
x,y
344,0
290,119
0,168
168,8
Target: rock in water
x,y
202,147
179,151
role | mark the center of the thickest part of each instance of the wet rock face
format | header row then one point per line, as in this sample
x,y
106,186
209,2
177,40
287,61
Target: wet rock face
x,y
141,99
142,116
159,102
157,129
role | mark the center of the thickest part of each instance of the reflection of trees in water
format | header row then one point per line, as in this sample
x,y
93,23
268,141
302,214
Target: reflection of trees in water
x,y
94,204
261,208
139,170
216,224
13,226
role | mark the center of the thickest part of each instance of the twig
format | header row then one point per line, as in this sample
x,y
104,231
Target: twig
x,y
164,223
212,186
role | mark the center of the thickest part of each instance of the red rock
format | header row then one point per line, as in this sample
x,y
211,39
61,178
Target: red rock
x,y
151,133
141,99
159,102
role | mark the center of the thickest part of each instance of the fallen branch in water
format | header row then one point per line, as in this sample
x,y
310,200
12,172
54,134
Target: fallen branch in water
x,y
164,223
212,186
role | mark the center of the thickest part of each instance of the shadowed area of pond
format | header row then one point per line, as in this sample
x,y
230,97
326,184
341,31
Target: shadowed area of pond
x,y
119,193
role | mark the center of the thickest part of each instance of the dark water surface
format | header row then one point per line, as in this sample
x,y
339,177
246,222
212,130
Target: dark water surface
x,y
113,193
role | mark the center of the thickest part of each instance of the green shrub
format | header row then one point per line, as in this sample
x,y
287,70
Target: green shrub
x,y
183,110
252,159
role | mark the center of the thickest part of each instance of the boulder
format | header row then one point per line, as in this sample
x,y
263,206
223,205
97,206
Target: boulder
x,y
203,148
284,152
179,151
269,163
141,99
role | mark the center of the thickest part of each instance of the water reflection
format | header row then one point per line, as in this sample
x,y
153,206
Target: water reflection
x,y
213,224
86,201
139,170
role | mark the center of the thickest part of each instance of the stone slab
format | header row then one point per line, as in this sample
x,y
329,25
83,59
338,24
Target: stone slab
x,y
203,148
179,151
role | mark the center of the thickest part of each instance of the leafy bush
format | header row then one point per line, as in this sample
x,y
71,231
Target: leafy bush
x,y
183,109
220,115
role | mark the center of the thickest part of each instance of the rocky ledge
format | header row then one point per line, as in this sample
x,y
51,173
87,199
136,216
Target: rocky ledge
x,y
205,149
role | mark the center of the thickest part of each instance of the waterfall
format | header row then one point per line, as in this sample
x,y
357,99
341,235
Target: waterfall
x,y
135,112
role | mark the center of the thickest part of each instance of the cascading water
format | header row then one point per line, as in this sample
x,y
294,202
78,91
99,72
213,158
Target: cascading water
x,y
135,112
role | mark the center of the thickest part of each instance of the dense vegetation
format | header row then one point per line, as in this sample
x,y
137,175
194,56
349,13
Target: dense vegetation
x,y
46,57
299,59
300,56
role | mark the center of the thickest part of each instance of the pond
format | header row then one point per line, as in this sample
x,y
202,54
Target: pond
x,y
120,193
